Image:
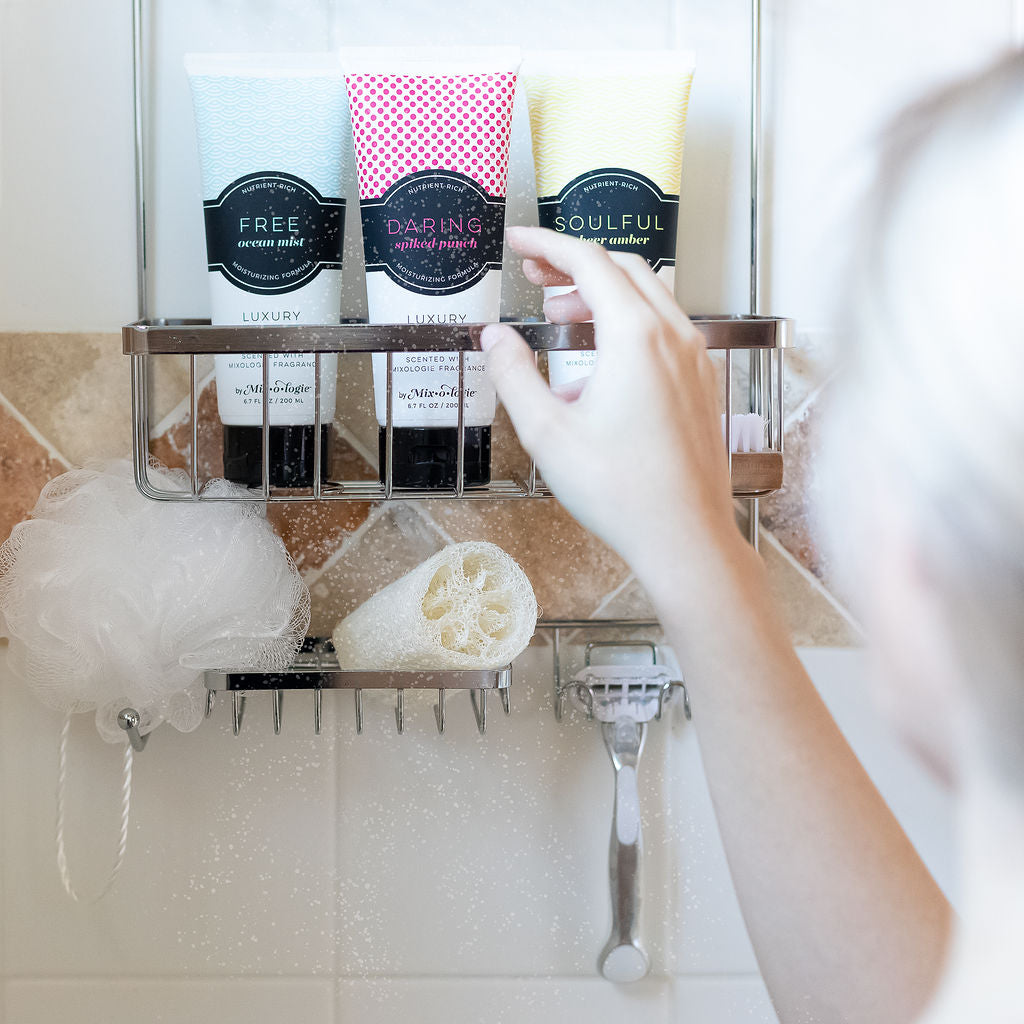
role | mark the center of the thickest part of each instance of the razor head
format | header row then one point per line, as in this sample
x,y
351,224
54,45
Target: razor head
x,y
612,692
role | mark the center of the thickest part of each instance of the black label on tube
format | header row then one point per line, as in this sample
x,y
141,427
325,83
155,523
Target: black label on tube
x,y
271,232
619,209
433,232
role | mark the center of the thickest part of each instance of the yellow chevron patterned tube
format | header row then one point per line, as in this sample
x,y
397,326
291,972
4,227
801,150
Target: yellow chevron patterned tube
x,y
608,131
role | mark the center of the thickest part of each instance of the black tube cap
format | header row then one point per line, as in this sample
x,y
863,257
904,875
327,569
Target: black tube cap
x,y
292,455
427,457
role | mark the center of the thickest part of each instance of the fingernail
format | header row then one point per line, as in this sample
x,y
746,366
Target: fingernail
x,y
489,337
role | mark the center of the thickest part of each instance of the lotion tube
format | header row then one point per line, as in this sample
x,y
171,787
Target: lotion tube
x,y
432,141
608,131
270,133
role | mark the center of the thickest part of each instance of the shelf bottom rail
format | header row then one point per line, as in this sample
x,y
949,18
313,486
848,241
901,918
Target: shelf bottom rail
x,y
318,674
754,475
752,425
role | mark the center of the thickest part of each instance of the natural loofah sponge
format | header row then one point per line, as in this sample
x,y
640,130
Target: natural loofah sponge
x,y
111,600
469,606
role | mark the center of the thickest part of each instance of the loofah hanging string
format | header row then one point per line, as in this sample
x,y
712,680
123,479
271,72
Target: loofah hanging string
x,y
122,836
110,600
470,606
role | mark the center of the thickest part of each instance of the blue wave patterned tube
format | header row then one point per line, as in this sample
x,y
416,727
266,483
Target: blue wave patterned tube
x,y
270,130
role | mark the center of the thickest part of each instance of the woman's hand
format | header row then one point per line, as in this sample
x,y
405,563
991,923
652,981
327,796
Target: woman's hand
x,y
638,456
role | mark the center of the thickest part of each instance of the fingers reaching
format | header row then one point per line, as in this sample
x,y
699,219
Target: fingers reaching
x,y
567,309
534,410
538,271
655,292
605,288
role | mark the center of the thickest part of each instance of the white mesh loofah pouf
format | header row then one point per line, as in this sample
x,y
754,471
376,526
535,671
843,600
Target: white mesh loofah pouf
x,y
111,600
470,606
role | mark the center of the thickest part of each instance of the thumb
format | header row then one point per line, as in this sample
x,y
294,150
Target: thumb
x,y
512,367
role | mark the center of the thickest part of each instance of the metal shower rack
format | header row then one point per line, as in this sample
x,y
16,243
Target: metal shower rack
x,y
754,474
763,337
316,668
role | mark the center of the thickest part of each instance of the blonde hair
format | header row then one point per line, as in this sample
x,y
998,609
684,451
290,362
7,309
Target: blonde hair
x,y
934,394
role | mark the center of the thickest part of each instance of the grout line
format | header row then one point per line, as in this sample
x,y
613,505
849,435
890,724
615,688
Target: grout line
x,y
264,979
797,414
51,450
611,595
369,457
421,510
592,978
182,409
350,541
810,578
169,979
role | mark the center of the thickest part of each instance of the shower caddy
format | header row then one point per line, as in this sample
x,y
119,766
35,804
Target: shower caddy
x,y
754,475
637,694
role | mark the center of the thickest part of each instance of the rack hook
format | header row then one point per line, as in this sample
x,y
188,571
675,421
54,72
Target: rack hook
x,y
278,697
129,720
400,710
439,711
479,709
210,695
237,711
665,692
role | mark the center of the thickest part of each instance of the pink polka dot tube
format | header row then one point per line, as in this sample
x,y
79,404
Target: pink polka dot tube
x,y
431,143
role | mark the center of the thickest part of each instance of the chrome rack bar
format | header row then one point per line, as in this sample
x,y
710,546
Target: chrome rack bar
x,y
460,439
389,431
182,337
317,445
316,668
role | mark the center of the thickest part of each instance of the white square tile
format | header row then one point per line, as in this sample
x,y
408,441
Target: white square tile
x,y
835,82
230,856
255,1001
502,1001
705,932
725,1000
462,854
66,172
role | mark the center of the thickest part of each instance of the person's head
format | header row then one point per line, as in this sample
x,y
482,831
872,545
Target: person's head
x,y
928,432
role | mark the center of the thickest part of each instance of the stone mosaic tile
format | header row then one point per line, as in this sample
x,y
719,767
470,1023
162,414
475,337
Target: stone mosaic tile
x,y
312,532
25,467
813,619
355,402
808,365
395,539
790,513
74,388
815,616
174,446
571,570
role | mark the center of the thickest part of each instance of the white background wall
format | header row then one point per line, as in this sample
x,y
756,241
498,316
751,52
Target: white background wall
x,y
836,71
442,880
380,878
